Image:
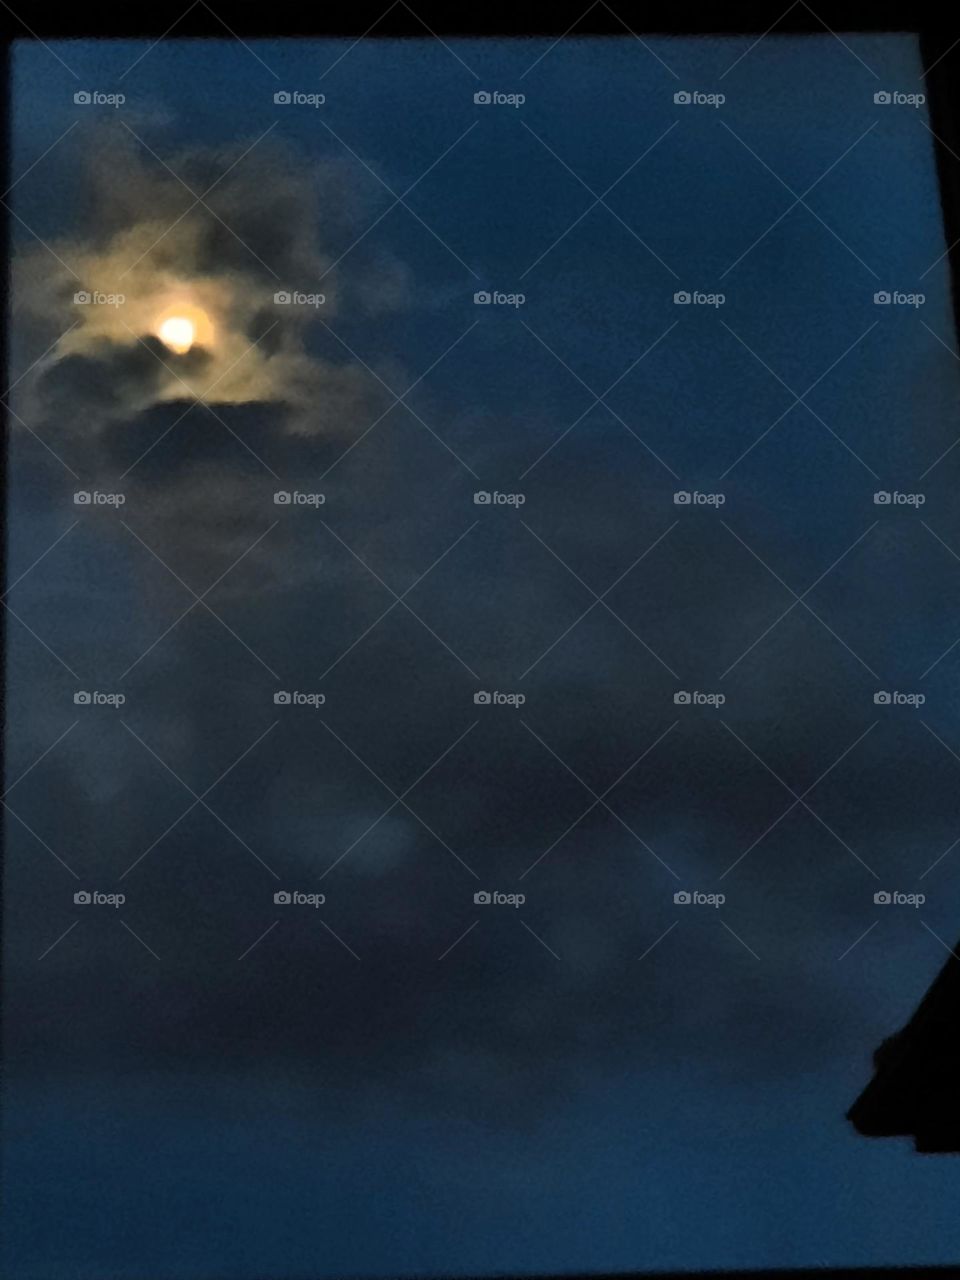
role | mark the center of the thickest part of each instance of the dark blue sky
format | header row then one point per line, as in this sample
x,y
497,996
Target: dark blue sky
x,y
202,1082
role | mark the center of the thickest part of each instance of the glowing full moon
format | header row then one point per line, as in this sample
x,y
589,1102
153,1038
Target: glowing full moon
x,y
178,333
182,325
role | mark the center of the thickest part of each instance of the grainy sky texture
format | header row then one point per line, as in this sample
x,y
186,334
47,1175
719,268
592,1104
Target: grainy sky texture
x,y
751,693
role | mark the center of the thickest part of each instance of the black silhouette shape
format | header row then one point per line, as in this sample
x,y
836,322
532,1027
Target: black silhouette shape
x,y
915,1090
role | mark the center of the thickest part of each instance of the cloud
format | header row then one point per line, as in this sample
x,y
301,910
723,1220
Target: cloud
x,y
143,247
199,484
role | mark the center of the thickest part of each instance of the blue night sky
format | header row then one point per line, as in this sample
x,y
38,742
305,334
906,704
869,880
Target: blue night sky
x,y
201,1081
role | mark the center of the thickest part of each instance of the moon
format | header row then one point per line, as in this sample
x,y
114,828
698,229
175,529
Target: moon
x,y
177,333
182,326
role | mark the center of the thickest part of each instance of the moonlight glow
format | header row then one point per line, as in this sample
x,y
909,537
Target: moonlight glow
x,y
182,326
177,333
